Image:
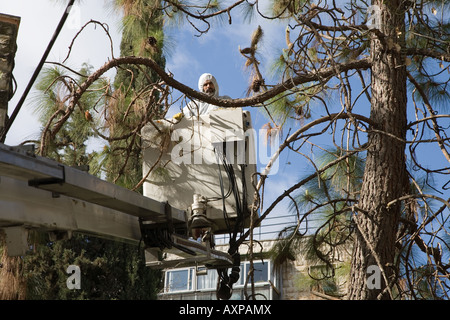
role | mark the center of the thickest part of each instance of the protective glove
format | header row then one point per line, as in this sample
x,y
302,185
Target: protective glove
x,y
178,116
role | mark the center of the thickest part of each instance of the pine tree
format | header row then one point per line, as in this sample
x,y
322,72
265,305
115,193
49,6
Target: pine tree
x,y
129,109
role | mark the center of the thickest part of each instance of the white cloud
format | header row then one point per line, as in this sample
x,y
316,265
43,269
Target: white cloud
x,y
182,61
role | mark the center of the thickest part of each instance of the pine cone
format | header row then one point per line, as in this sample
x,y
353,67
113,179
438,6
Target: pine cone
x,y
256,85
152,41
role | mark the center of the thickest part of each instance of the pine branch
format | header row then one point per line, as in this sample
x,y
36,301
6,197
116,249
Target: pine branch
x,y
233,103
226,103
428,53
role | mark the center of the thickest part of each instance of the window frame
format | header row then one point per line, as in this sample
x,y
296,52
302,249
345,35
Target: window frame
x,y
193,278
189,280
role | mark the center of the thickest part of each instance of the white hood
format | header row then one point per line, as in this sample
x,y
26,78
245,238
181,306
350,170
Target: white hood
x,y
198,107
207,76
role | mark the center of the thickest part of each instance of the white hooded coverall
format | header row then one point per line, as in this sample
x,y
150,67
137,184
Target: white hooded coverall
x,y
195,107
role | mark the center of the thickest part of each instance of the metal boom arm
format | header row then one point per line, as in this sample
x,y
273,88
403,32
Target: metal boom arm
x,y
39,193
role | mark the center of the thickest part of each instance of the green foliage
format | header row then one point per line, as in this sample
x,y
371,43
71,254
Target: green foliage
x,y
286,109
287,8
248,11
109,270
127,110
345,177
53,89
430,28
323,205
176,12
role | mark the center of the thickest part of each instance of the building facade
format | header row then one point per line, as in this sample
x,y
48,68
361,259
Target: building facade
x,y
288,282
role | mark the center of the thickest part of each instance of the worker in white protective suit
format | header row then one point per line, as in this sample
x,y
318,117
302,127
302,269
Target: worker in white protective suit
x,y
207,84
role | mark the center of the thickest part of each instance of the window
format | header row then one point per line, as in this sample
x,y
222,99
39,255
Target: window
x,y
260,272
207,281
187,279
179,280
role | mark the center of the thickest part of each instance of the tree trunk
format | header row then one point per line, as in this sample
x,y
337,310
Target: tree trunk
x,y
384,175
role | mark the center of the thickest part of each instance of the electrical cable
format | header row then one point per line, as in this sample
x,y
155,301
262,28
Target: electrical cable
x,y
225,281
235,189
224,209
36,71
220,181
244,192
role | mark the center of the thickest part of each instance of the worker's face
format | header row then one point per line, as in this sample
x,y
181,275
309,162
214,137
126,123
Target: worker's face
x,y
208,87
